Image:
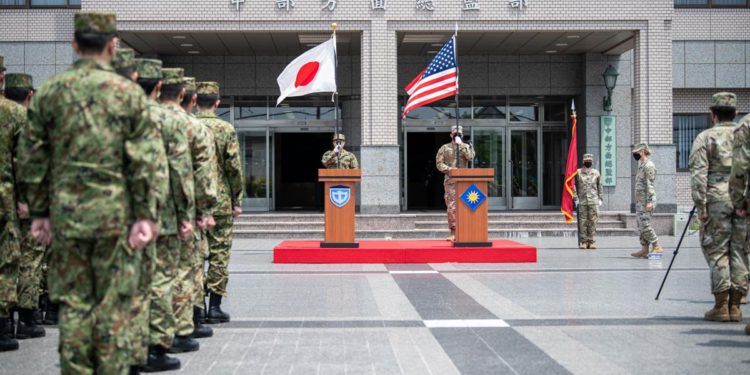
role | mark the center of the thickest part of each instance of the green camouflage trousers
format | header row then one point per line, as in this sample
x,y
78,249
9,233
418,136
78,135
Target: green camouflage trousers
x,y
141,308
219,247
588,216
162,322
10,254
450,203
647,233
199,263
94,280
184,291
30,269
723,238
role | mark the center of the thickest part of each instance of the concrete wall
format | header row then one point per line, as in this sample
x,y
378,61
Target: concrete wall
x,y
711,64
40,59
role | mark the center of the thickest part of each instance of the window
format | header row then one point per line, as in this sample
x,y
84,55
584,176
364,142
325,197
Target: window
x,y
489,107
442,109
524,112
40,4
710,3
684,130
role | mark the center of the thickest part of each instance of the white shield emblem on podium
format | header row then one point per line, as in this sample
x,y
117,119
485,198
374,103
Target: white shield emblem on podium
x,y
340,195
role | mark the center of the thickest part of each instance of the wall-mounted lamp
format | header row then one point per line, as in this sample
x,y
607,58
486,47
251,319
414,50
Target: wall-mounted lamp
x,y
610,81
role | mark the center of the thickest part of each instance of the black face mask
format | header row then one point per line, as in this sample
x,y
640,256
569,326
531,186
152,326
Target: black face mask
x,y
587,164
637,157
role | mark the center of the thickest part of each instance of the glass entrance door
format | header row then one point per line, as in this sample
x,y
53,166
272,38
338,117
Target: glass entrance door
x,y
254,145
491,152
523,162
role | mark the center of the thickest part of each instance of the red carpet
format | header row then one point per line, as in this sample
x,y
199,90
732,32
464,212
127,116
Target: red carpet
x,y
414,251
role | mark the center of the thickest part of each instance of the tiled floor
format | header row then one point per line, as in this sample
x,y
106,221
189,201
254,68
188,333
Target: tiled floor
x,y
575,311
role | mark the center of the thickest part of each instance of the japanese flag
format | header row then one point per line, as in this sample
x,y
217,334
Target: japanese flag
x,y
313,71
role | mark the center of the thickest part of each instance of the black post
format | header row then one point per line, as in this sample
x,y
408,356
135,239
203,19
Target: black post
x,y
676,251
336,99
455,97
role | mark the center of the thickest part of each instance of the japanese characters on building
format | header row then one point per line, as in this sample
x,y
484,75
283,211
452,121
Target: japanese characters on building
x,y
608,128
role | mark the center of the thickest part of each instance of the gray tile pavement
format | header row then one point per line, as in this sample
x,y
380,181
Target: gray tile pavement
x,y
575,311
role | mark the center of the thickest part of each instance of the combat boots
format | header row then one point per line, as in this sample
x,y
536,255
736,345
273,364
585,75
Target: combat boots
x,y
657,249
735,313
158,360
215,314
641,254
50,311
452,236
27,328
592,245
184,344
582,245
7,343
720,312
200,331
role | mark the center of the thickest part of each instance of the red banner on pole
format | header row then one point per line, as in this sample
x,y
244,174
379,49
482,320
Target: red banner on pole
x,y
571,170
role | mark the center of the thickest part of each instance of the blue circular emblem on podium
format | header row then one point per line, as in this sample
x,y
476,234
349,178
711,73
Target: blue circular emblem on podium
x,y
473,197
340,195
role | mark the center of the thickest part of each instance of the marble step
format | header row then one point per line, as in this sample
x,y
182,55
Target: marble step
x,y
560,231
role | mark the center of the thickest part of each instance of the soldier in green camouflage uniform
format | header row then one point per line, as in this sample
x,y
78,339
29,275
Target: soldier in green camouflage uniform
x,y
446,160
19,88
176,219
203,152
645,200
12,119
230,192
738,183
338,158
588,195
89,128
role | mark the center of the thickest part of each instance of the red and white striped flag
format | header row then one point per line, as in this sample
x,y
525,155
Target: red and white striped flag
x,y
439,80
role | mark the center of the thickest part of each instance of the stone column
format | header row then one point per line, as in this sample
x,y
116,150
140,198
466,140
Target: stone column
x,y
379,150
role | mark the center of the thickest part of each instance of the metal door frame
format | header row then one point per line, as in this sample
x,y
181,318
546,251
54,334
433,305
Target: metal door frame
x,y
509,175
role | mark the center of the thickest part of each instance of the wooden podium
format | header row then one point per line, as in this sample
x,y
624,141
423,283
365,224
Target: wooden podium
x,y
472,224
339,207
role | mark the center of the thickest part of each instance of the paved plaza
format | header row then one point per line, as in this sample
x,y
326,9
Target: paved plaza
x,y
575,311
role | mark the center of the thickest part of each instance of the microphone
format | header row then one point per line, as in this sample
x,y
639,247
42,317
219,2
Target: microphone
x,y
459,140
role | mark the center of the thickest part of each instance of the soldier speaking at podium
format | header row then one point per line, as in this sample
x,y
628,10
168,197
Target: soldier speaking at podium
x,y
455,154
338,158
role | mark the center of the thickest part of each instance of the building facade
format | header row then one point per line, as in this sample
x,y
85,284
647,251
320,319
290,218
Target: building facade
x,y
522,64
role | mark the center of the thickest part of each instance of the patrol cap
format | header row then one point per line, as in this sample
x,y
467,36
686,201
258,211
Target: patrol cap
x,y
148,68
189,83
95,22
207,88
588,157
339,137
2,63
724,100
460,128
124,59
172,76
640,147
18,81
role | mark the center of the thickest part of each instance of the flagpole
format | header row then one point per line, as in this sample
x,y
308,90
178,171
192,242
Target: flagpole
x,y
455,97
336,96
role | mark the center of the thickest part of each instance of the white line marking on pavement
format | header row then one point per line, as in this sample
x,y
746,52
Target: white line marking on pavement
x,y
466,323
412,272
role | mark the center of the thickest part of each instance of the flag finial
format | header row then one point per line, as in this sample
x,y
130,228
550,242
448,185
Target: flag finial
x,y
573,105
333,27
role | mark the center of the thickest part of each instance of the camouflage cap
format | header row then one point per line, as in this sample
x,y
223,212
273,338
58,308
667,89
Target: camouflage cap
x,y
339,137
724,99
460,128
2,63
189,83
640,147
207,88
124,59
148,68
92,22
588,157
172,76
18,81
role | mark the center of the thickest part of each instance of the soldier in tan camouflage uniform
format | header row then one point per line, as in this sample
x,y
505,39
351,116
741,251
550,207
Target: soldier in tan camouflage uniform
x,y
448,158
230,192
338,158
177,217
12,119
738,183
89,128
645,200
588,195
19,88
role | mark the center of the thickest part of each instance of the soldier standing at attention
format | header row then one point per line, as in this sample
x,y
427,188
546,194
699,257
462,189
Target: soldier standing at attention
x,y
89,128
19,88
11,121
338,158
738,183
645,200
208,151
230,192
176,223
446,160
588,194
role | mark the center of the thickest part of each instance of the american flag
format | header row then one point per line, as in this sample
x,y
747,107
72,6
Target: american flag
x,y
439,80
